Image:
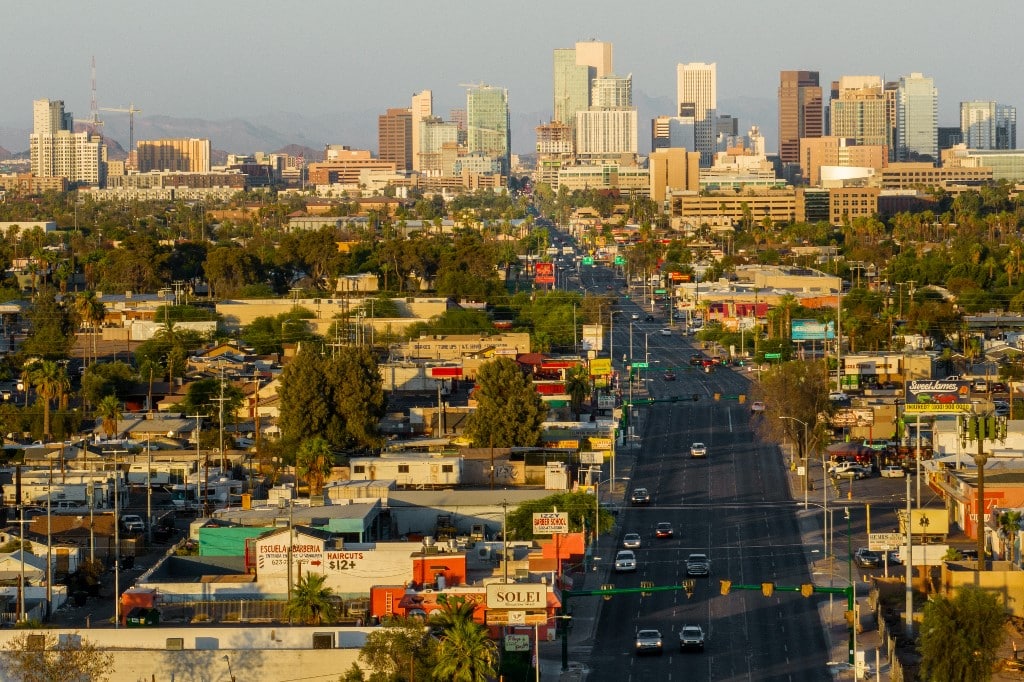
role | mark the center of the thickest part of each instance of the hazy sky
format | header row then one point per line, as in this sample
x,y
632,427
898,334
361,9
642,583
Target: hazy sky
x,y
217,59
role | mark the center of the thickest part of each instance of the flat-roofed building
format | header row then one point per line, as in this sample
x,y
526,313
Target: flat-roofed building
x,y
191,155
630,180
778,205
837,151
1006,164
394,138
847,203
910,175
343,166
671,170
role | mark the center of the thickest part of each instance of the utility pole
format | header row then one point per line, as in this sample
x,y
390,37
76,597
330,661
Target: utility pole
x,y
199,460
220,400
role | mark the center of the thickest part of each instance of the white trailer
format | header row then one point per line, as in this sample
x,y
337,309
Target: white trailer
x,y
426,470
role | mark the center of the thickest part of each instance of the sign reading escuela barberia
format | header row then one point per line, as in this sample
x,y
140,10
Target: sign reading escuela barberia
x,y
938,395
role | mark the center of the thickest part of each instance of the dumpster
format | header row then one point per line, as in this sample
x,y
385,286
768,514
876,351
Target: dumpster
x,y
140,617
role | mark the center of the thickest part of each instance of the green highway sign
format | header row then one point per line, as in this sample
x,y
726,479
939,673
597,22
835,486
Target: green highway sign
x,y
640,365
659,291
619,260
773,356
588,260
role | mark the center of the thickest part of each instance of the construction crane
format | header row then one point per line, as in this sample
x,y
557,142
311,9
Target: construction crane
x,y
131,111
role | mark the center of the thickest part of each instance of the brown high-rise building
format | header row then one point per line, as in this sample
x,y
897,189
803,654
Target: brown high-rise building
x,y
800,112
394,138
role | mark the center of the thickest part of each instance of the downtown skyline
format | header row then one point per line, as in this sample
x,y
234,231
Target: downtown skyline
x,y
332,70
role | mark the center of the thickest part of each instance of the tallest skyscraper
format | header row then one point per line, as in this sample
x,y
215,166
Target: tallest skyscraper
x,y
575,69
917,112
800,112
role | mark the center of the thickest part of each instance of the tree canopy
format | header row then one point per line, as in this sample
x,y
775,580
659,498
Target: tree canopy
x,y
509,411
960,636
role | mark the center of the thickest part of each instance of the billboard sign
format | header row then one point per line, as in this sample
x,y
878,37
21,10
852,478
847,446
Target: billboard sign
x,y
812,330
857,416
600,366
517,642
548,523
544,273
937,396
517,596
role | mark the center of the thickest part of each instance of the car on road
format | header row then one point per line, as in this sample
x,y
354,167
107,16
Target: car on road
x,y
998,387
631,541
838,397
648,642
634,316
695,359
625,561
1001,408
640,496
698,565
893,471
133,523
698,450
663,530
648,318
894,557
691,637
867,558
665,331
756,407
669,376
849,470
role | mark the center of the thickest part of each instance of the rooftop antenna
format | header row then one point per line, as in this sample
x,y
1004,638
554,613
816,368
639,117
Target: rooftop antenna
x,y
94,119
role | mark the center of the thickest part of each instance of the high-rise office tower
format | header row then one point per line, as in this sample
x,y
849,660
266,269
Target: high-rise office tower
x,y
435,134
394,138
595,54
917,114
988,125
696,87
800,109
56,151
185,155
571,86
859,111
487,124
422,107
612,92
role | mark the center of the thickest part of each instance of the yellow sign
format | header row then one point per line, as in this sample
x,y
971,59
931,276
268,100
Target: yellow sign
x,y
600,366
567,444
507,617
933,408
600,443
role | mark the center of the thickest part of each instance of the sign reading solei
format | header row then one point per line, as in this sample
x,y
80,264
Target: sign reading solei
x,y
519,596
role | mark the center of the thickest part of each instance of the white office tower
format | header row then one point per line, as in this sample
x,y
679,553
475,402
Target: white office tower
x,y
917,119
696,88
57,152
422,107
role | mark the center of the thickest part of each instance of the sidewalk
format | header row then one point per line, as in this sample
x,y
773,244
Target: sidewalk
x,y
586,611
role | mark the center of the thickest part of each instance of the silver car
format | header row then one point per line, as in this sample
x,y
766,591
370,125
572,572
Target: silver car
x,y
625,561
648,642
631,540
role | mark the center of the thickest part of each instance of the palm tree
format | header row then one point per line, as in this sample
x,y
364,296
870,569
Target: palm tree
x,y
311,602
51,382
466,654
92,311
1009,525
454,610
577,385
313,462
110,409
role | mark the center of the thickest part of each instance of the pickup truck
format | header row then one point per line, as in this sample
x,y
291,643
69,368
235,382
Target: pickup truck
x,y
850,470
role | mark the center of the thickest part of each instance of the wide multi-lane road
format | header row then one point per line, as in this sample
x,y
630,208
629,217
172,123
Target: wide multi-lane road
x,y
734,506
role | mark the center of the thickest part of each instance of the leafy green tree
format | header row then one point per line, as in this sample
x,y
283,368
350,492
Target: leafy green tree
x,y
960,636
203,397
51,327
109,408
71,659
104,379
579,506
509,411
466,653
313,462
51,382
228,269
311,602
453,322
169,348
401,651
797,390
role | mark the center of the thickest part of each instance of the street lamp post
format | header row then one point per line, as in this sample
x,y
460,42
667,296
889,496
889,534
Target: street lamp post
x,y
611,333
853,588
536,642
804,456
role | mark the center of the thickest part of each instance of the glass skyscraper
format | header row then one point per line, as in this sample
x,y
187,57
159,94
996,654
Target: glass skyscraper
x,y
917,112
487,124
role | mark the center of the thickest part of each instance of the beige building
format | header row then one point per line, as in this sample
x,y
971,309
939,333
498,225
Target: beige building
x,y
673,169
458,346
909,175
837,151
343,166
186,155
633,180
779,205
847,203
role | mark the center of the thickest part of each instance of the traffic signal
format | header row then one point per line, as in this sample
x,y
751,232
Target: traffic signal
x,y
767,589
607,597
688,585
726,586
646,584
848,615
807,589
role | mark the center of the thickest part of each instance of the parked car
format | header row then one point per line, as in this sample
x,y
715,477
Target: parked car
x,y
634,316
648,642
631,540
698,565
625,561
665,331
669,376
893,471
133,523
663,530
850,470
691,637
867,558
698,450
756,407
640,496
838,397
998,387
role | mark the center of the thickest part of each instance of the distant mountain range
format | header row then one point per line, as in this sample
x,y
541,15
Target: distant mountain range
x,y
358,129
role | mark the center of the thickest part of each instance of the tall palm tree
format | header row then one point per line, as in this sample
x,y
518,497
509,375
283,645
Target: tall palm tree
x,y
91,311
311,602
110,409
577,385
313,461
51,382
454,610
466,654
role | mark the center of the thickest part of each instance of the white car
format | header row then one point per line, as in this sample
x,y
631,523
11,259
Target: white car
x,y
698,450
893,471
634,316
625,561
665,331
631,541
838,397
